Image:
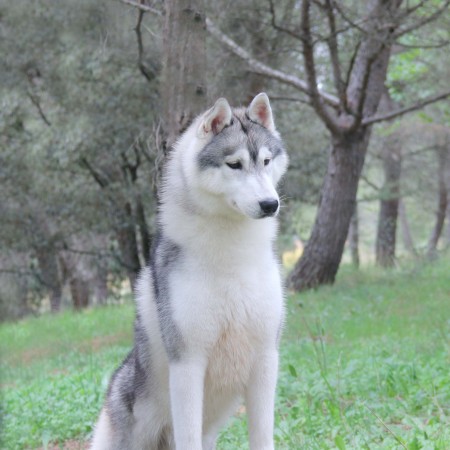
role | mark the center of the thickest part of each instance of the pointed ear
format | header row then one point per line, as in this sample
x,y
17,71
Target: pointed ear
x,y
216,119
260,112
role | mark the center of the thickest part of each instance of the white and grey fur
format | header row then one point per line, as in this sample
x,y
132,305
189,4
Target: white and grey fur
x,y
210,305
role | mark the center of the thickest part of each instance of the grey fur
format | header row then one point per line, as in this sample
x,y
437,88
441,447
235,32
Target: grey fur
x,y
241,133
127,383
132,379
165,255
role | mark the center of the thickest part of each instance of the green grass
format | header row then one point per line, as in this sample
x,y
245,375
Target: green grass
x,y
365,364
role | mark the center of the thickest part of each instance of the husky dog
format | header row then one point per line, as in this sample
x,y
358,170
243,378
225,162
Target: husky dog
x,y
210,305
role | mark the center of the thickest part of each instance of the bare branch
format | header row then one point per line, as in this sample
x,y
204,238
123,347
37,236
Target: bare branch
x,y
148,73
402,111
98,177
352,63
142,7
262,69
35,100
365,83
283,98
310,68
370,183
402,31
410,10
424,46
334,53
345,17
279,27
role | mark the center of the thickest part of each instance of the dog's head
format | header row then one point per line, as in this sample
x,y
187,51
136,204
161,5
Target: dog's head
x,y
240,160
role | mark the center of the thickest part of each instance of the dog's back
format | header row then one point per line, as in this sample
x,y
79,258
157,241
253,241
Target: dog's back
x,y
209,307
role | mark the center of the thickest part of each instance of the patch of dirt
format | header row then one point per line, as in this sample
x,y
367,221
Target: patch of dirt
x,y
30,355
95,344
68,445
99,342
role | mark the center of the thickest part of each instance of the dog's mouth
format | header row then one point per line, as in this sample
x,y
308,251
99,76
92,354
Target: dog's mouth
x,y
265,215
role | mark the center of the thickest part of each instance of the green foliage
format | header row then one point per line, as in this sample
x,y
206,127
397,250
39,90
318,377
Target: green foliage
x,y
54,375
72,93
404,68
364,365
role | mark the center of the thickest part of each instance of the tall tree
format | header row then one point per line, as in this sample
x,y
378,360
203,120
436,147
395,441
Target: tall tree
x,y
389,203
349,114
443,202
183,83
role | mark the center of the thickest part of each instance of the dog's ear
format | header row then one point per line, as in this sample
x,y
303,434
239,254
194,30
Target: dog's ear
x,y
216,119
260,112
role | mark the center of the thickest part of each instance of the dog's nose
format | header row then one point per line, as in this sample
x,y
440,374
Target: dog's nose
x,y
269,206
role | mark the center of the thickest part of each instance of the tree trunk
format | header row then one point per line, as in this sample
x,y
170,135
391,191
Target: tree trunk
x,y
183,85
390,195
323,251
443,162
99,285
50,277
129,252
79,290
353,238
143,229
406,231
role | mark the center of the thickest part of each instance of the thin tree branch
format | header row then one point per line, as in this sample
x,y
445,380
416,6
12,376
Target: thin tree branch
x,y
352,62
370,183
262,69
421,23
99,178
35,100
345,17
365,82
334,53
142,7
284,98
424,46
279,27
148,74
410,10
402,111
310,69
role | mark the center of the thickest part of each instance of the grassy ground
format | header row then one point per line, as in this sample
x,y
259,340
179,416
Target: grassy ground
x,y
365,364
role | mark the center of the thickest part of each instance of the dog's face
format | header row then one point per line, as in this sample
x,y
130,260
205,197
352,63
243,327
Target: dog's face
x,y
243,158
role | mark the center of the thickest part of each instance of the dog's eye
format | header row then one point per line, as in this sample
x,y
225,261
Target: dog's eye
x,y
266,161
235,165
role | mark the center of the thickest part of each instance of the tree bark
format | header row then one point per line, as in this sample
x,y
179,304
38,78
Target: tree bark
x,y
323,251
79,290
183,86
99,285
129,251
390,196
353,238
146,239
406,231
47,256
50,277
443,162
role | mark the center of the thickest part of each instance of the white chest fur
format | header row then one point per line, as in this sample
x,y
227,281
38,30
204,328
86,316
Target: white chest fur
x,y
227,313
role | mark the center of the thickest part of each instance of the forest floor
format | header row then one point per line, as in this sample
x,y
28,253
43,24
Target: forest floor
x,y
365,364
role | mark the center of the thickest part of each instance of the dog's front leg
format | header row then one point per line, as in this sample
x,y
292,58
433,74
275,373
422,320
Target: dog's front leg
x,y
186,399
260,398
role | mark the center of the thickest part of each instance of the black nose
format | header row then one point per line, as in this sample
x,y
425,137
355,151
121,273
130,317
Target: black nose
x,y
269,206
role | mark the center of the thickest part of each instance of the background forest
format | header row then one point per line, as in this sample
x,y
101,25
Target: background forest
x,y
93,95
94,92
